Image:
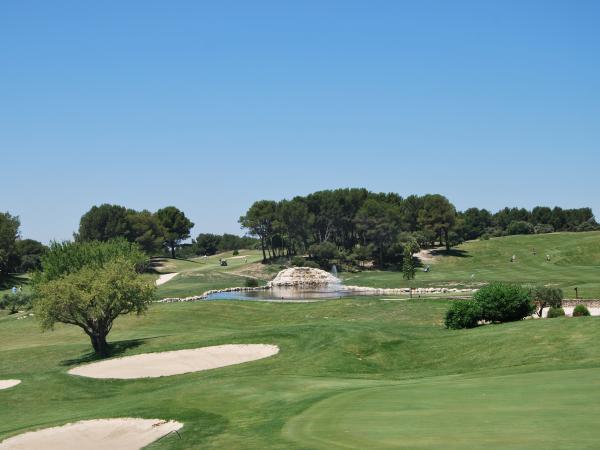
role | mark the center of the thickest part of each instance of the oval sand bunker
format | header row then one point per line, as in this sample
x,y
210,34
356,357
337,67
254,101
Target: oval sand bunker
x,y
5,384
149,365
126,434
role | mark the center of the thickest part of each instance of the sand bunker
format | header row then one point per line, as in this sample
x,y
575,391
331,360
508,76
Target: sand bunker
x,y
5,384
122,434
162,364
162,279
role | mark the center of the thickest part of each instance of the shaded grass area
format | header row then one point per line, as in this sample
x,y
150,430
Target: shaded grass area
x,y
397,348
574,262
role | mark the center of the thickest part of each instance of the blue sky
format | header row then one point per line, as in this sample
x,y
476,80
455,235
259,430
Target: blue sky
x,y
209,106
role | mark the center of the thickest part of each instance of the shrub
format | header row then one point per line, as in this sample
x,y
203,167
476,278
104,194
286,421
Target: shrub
x,y
236,252
555,312
547,296
581,311
298,261
16,302
463,314
501,302
519,227
311,264
542,228
251,282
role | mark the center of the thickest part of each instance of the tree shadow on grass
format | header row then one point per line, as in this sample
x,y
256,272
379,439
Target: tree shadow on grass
x,y
452,252
115,349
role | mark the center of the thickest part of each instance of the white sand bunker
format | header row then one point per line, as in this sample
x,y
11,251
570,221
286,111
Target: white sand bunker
x,y
5,384
125,434
162,364
162,279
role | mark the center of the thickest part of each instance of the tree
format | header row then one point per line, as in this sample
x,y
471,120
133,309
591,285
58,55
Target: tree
x,y
323,253
177,227
9,233
547,296
102,223
63,258
379,224
519,227
259,221
29,253
145,229
92,298
408,264
437,216
207,244
502,302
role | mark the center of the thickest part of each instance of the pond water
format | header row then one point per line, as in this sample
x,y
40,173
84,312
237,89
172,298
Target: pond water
x,y
286,293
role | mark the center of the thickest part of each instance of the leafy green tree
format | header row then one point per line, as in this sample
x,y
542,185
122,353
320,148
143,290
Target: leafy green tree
x,y
102,223
146,230
437,216
502,302
379,223
16,302
9,233
92,298
63,258
544,296
207,244
323,253
408,265
519,227
29,253
259,221
176,226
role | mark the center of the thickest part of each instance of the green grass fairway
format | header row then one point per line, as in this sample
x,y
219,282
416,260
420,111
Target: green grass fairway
x,y
201,274
352,373
575,262
524,411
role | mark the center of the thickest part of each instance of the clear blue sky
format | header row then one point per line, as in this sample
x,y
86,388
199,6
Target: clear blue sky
x,y
209,106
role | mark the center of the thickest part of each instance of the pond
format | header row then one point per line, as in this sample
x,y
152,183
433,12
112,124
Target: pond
x,y
312,293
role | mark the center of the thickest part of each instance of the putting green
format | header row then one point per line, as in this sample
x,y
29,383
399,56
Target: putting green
x,y
545,410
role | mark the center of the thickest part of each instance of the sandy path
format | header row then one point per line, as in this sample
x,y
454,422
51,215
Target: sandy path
x,y
5,384
162,279
122,434
161,364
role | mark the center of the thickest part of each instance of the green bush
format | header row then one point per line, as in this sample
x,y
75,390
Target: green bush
x,y
519,227
236,252
555,312
581,311
463,314
502,302
298,261
542,228
16,302
311,264
251,282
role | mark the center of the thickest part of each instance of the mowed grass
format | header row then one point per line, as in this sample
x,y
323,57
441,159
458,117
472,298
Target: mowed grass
x,y
198,275
574,262
351,373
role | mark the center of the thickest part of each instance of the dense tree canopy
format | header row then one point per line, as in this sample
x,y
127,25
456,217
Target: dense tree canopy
x,y
89,284
9,233
365,225
176,225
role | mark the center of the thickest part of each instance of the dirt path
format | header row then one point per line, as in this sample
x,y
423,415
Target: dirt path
x,y
162,279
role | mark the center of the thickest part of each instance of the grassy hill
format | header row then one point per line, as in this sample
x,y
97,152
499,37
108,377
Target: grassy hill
x,y
352,373
574,262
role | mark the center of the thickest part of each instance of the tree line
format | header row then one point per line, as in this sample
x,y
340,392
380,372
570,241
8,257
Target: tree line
x,y
356,225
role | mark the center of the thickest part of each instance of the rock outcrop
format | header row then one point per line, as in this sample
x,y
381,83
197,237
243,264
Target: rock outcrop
x,y
303,276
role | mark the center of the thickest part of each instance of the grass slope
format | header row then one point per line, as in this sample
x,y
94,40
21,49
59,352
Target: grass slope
x,y
201,274
575,262
360,373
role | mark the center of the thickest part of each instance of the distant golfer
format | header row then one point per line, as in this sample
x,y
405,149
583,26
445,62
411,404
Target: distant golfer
x,y
14,289
513,258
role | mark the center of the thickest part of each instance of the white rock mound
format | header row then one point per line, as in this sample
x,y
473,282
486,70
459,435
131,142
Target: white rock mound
x,y
303,276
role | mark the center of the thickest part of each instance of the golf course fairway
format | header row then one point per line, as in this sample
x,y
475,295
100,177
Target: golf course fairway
x,y
508,412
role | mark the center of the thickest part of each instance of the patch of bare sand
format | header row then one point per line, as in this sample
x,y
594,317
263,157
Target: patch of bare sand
x,y
5,384
122,434
150,365
162,279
